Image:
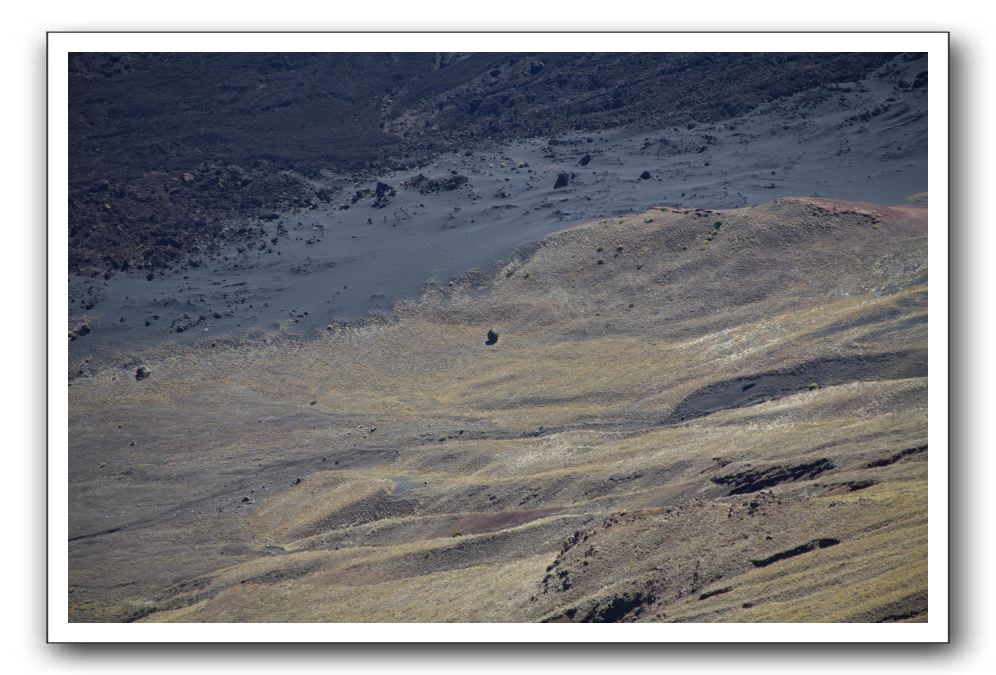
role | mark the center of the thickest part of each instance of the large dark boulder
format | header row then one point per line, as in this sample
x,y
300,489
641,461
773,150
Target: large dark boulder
x,y
381,195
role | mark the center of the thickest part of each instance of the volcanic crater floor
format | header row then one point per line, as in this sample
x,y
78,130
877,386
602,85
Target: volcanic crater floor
x,y
688,414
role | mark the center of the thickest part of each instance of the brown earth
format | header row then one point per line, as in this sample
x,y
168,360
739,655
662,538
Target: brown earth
x,y
403,470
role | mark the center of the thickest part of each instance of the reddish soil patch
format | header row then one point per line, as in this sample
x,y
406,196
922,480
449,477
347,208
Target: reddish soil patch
x,y
913,214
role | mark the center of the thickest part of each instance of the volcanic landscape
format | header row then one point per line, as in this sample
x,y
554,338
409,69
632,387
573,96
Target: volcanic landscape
x,y
498,337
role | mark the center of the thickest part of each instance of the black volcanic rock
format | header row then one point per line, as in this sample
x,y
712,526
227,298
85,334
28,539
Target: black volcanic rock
x,y
177,144
563,179
429,185
381,194
79,331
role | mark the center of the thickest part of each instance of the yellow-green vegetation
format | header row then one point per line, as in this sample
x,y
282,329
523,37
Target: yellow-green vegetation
x,y
917,198
643,443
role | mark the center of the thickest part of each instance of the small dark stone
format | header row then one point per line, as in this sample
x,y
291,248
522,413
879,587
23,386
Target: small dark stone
x,y
584,160
492,338
645,175
563,179
141,373
297,481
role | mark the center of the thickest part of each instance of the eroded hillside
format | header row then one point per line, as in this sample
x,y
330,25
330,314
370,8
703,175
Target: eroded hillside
x,y
688,415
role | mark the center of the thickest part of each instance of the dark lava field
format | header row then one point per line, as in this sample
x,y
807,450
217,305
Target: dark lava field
x,y
312,190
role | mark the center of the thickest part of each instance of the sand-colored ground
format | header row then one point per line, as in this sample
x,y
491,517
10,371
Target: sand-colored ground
x,y
689,415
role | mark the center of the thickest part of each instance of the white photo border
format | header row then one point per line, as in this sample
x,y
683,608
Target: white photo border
x,y
60,44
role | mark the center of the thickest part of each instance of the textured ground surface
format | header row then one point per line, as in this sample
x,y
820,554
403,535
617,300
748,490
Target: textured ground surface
x,y
359,248
688,415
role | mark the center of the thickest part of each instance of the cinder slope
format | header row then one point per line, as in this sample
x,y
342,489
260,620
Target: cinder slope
x,y
723,420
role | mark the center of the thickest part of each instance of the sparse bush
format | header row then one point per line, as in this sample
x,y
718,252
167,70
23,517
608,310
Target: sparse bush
x,y
458,534
619,249
599,249
600,262
813,385
508,273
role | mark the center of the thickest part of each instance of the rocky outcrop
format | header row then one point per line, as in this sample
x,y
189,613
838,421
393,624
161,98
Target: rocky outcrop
x,y
427,186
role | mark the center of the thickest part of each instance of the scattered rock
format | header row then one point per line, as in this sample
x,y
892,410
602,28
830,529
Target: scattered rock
x,y
429,185
563,178
141,373
645,175
492,338
79,331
